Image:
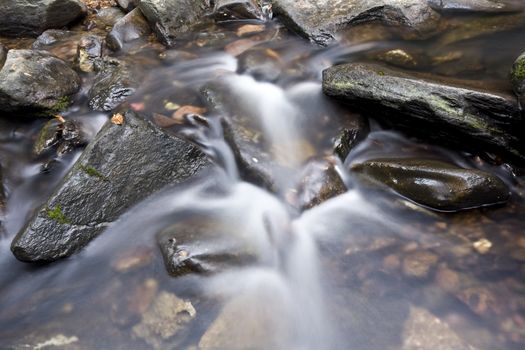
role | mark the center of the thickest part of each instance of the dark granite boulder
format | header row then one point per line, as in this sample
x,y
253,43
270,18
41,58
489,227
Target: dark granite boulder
x,y
121,166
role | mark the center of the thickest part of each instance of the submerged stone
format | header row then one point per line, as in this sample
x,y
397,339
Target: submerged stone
x,y
36,81
32,17
121,166
431,108
169,19
320,21
435,184
131,27
114,83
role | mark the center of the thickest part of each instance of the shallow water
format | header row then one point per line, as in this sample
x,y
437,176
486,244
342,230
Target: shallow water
x,y
335,276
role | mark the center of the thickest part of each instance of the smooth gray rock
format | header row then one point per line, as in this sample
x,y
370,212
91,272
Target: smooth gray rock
x,y
128,5
121,166
435,184
320,20
115,82
473,6
36,81
431,108
131,27
169,19
32,17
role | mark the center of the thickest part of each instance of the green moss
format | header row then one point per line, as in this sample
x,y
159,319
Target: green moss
x,y
88,169
518,70
61,105
57,215
381,73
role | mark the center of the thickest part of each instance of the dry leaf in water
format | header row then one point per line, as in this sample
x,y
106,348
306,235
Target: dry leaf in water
x,y
181,112
239,46
117,119
249,29
137,106
163,121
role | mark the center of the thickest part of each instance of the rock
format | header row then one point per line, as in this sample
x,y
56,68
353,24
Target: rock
x,y
35,81
320,181
435,184
257,63
60,43
165,321
121,166
517,77
320,21
424,331
128,5
245,323
89,52
419,264
476,6
32,17
239,9
115,82
131,27
3,55
169,19
107,17
430,108
203,245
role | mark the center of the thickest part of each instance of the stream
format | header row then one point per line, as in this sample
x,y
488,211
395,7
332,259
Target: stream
x,y
366,269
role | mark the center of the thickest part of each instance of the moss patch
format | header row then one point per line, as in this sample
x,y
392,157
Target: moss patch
x,y
57,215
518,70
61,105
88,169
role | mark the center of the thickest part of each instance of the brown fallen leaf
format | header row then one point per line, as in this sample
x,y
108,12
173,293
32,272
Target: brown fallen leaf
x,y
239,46
249,29
182,111
117,119
60,118
272,54
163,121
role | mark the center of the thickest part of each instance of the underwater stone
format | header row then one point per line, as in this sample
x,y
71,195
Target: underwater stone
x,y
120,167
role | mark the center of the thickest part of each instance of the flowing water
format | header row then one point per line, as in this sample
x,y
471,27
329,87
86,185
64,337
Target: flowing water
x,y
336,276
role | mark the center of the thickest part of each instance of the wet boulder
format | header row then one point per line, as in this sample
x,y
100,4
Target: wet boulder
x,y
121,166
517,77
3,55
476,6
32,17
321,21
36,81
89,52
169,19
203,245
131,27
435,184
114,83
240,9
429,107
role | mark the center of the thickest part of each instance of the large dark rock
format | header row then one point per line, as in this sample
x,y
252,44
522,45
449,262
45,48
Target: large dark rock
x,y
121,166
131,27
431,108
320,21
435,184
36,81
114,83
32,17
472,6
169,19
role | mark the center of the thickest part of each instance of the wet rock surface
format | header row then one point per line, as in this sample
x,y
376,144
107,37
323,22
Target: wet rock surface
x,y
201,245
435,184
128,5
114,83
89,53
320,21
473,6
122,165
3,55
239,9
436,110
517,77
32,17
169,19
131,27
36,81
